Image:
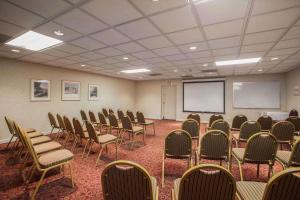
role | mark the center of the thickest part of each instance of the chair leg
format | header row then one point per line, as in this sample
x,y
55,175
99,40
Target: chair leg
x,y
257,171
102,147
163,172
132,141
85,146
9,142
38,185
91,144
154,128
116,146
31,174
71,174
241,171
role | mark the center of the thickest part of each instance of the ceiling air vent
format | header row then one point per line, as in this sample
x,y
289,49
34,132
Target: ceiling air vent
x,y
4,38
155,74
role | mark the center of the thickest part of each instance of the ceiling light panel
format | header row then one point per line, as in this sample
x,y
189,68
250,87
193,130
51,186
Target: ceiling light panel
x,y
237,62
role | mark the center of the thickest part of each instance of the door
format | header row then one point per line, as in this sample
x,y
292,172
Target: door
x,y
169,102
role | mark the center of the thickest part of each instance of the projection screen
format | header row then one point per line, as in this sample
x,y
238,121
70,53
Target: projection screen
x,y
204,96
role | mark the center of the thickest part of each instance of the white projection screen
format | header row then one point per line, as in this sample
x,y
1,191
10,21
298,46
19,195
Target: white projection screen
x,y
204,96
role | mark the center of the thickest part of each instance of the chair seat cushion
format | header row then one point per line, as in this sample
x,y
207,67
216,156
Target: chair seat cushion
x,y
283,156
239,153
29,130
106,138
55,157
34,134
137,129
147,122
249,190
176,187
40,140
296,138
46,147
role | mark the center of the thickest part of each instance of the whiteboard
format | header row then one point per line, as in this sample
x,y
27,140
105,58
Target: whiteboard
x,y
204,96
256,94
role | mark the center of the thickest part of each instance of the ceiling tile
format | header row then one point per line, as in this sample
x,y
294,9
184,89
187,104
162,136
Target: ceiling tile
x,y
283,52
77,58
184,19
294,32
150,7
98,62
266,22
110,60
9,54
55,52
46,8
130,47
187,36
200,47
80,21
70,48
167,51
138,29
221,10
91,55
60,62
223,43
18,16
222,30
225,51
267,36
263,6
155,42
176,57
252,54
38,57
288,43
10,30
110,37
112,11
110,51
257,47
154,60
88,43
199,54
144,54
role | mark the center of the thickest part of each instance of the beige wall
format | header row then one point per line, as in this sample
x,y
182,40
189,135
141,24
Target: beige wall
x,y
292,80
148,97
15,94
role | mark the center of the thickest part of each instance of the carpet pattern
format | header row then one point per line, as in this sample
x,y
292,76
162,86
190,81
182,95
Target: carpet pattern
x,y
87,177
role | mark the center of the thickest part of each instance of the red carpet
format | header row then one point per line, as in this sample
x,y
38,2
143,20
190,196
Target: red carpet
x,y
87,176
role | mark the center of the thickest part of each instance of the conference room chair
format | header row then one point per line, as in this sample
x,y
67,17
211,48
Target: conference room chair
x,y
248,129
289,158
293,113
237,122
131,116
260,149
105,112
80,134
296,122
221,125
114,124
125,180
102,140
143,122
120,114
192,127
265,122
110,111
93,119
284,133
103,122
83,117
45,162
70,133
178,145
214,145
282,186
195,116
132,131
213,118
53,122
62,127
205,182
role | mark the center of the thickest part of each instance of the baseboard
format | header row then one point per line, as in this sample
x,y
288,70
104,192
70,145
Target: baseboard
x,y
6,140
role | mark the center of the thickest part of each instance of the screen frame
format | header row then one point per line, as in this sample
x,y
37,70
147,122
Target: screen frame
x,y
216,81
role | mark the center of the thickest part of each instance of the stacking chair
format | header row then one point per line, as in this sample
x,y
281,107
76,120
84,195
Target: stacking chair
x,y
178,145
221,125
104,111
101,140
83,117
114,124
131,116
192,127
205,182
131,130
141,121
282,186
265,122
296,122
93,119
215,145
195,117
289,158
284,133
120,114
213,118
62,127
45,162
53,123
125,180
103,122
70,132
80,134
110,111
261,148
248,129
237,122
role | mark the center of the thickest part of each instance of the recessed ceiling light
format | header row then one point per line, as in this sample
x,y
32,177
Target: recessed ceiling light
x,y
15,50
237,62
155,0
131,71
34,41
83,65
205,65
125,58
274,58
175,70
260,70
193,48
58,32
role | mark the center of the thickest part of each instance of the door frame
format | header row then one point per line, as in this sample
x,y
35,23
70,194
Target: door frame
x,y
162,100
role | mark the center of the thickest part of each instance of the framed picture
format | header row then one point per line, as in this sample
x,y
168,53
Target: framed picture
x,y
40,90
70,91
93,92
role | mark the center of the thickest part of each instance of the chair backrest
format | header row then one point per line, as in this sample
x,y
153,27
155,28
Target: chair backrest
x,y
237,121
120,114
293,113
207,181
194,116
126,123
52,120
265,122
178,143
91,131
113,121
92,117
83,116
213,118
248,129
68,125
284,185
130,115
110,111
102,118
127,181
221,125
140,117
78,128
191,126
104,110
9,125
295,155
261,147
283,131
215,145
61,123
295,121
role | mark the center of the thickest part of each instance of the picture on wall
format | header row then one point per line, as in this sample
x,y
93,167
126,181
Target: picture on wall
x,y
40,90
70,90
93,92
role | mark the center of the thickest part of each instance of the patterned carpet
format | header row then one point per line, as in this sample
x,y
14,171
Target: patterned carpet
x,y
87,176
